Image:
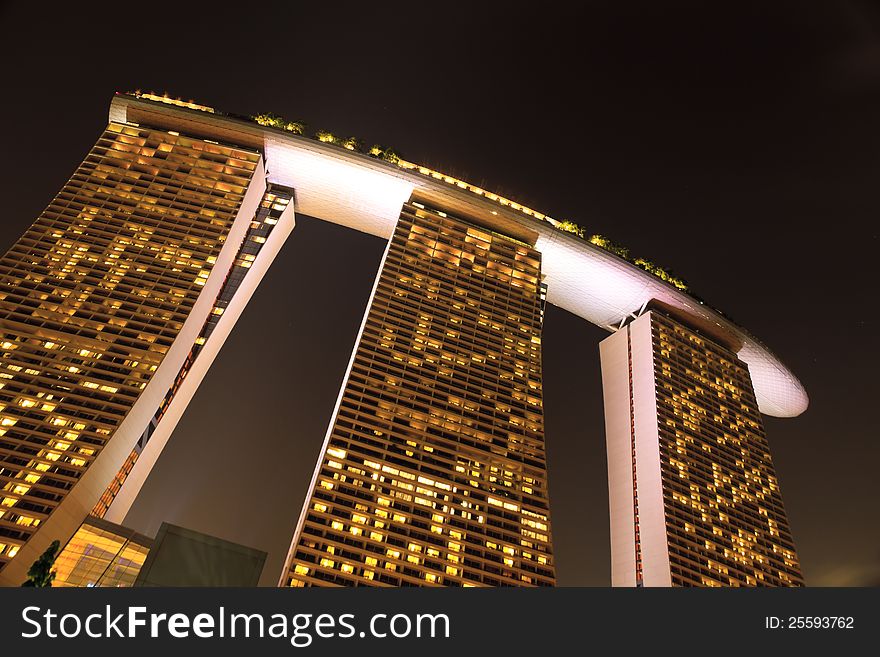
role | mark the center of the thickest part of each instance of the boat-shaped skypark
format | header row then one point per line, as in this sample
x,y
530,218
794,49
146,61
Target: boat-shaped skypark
x,y
433,469
355,190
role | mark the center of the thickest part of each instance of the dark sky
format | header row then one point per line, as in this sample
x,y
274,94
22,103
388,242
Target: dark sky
x,y
738,145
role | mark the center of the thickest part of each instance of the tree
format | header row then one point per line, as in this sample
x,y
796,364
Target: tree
x,y
352,144
41,573
275,121
326,137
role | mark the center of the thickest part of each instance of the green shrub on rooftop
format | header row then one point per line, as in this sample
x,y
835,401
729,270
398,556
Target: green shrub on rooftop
x,y
275,121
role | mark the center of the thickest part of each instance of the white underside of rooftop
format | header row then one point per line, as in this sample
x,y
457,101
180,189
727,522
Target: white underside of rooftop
x,y
353,190
582,279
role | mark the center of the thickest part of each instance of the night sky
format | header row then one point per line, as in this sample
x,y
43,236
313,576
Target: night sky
x,y
738,146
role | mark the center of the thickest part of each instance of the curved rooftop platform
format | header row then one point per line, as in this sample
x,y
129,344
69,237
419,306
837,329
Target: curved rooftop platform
x,y
361,192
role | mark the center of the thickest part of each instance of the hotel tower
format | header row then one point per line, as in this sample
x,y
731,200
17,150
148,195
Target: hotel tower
x,y
693,494
115,302
434,469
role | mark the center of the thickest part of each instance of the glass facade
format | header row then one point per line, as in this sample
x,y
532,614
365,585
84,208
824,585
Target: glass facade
x,y
101,554
434,473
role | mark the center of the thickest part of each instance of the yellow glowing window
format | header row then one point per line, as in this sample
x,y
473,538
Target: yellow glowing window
x,y
320,507
301,570
337,525
338,453
431,577
327,563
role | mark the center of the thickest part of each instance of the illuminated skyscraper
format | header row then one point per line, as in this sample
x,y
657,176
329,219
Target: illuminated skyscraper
x,y
433,471
115,302
105,302
693,493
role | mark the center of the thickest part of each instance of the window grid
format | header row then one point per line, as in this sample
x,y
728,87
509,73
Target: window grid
x,y
435,471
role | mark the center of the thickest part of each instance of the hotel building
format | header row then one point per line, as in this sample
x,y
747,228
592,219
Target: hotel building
x,y
693,493
114,303
434,470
